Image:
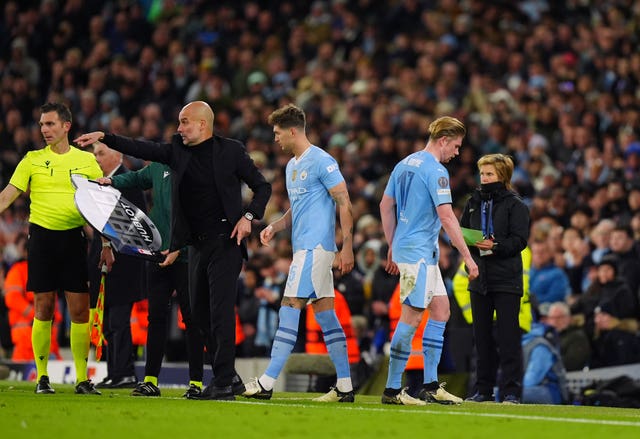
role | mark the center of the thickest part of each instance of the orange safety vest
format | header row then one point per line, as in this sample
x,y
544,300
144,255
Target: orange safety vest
x,y
416,360
239,332
140,322
315,340
19,301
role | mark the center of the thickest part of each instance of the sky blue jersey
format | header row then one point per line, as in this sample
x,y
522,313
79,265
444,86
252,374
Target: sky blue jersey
x,y
419,184
313,210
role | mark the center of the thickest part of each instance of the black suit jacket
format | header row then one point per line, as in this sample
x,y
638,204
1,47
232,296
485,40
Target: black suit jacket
x,y
231,166
125,282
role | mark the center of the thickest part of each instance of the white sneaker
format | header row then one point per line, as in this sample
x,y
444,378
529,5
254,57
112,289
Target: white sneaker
x,y
253,389
402,398
440,396
334,395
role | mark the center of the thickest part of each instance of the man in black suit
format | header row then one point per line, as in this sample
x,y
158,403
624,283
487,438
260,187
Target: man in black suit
x,y
123,286
209,216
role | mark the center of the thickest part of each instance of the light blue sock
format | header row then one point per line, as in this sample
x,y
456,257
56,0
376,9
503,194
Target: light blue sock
x,y
432,340
335,340
400,351
284,340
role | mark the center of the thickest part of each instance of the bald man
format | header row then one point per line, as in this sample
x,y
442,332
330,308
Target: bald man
x,y
208,216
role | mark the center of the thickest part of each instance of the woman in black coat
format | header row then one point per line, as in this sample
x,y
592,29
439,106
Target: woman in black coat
x,y
504,221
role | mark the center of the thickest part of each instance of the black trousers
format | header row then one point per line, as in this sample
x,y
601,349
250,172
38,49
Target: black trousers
x,y
162,282
214,267
500,348
117,332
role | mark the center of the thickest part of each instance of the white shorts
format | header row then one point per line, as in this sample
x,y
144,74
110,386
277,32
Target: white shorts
x,y
419,283
310,275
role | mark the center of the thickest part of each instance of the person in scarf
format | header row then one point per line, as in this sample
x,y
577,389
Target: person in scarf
x,y
504,221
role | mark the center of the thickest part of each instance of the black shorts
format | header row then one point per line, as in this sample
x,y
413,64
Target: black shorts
x,y
57,260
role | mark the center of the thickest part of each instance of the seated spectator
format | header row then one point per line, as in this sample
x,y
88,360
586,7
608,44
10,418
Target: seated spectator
x,y
609,314
548,283
544,380
623,246
575,347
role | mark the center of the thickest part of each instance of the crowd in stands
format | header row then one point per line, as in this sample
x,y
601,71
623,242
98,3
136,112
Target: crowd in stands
x,y
556,85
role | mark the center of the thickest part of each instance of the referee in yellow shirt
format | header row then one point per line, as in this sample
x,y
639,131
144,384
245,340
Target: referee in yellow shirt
x,y
57,257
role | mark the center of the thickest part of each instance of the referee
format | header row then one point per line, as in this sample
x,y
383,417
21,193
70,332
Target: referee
x,y
57,258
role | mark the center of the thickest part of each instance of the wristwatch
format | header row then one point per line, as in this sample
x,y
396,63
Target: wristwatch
x,y
249,216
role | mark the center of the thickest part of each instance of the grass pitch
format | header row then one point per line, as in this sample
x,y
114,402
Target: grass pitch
x,y
115,414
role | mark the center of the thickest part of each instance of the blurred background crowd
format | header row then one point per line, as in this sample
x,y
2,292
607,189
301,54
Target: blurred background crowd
x,y
556,85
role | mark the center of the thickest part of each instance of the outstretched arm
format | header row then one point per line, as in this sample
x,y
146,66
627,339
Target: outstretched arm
x,y
8,196
341,196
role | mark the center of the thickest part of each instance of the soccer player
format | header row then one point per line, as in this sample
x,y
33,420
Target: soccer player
x,y
415,205
315,186
57,258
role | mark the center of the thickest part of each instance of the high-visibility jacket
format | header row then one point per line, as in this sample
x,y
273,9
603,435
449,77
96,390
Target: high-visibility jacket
x,y
416,359
463,297
140,322
21,312
239,332
315,340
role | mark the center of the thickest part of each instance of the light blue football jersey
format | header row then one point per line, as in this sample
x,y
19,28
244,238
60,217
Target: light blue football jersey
x,y
313,210
419,184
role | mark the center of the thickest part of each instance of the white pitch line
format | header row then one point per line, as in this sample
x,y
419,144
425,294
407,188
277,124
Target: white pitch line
x,y
455,413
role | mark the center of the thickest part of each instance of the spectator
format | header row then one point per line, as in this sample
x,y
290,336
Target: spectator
x,y
545,377
575,347
608,310
548,282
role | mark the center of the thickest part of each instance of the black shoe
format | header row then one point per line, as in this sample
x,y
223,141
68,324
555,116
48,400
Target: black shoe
x,y
87,388
126,382
145,389
237,385
480,397
43,386
215,393
193,392
106,383
511,399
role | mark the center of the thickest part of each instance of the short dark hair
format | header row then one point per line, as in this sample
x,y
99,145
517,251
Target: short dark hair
x,y
287,117
63,111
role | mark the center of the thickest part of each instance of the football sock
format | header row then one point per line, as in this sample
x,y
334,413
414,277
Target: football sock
x,y
283,342
400,351
152,380
79,341
195,383
336,343
41,343
432,340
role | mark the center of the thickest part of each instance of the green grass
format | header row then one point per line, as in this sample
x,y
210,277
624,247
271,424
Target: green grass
x,y
117,415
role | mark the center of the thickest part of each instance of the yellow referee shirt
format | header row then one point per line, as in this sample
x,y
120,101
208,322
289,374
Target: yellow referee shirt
x,y
48,175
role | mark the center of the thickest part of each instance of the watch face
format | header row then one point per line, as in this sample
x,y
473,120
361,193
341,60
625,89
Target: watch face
x,y
249,216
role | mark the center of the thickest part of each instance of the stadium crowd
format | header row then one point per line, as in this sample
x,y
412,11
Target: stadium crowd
x,y
556,85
